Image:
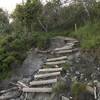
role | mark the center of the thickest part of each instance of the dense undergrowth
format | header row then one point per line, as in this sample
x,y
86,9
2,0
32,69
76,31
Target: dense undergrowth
x,y
13,51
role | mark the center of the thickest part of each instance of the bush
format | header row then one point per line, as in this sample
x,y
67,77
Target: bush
x,y
78,88
12,50
9,60
65,67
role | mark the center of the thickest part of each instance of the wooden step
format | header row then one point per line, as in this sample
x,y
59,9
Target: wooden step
x,y
37,90
64,51
56,62
43,82
67,47
58,58
47,75
67,51
50,70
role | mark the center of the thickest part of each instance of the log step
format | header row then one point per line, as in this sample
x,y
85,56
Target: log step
x,y
67,51
37,90
64,51
67,47
59,58
46,75
56,62
50,70
43,82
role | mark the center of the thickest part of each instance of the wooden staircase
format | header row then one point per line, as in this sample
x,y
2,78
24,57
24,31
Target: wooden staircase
x,y
46,77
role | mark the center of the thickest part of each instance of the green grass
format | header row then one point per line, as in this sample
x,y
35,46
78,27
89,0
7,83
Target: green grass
x,y
65,66
78,88
88,35
60,87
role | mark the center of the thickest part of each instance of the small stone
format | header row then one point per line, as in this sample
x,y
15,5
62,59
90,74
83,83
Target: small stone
x,y
77,72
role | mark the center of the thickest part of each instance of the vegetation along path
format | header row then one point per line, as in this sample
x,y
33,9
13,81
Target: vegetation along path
x,y
47,76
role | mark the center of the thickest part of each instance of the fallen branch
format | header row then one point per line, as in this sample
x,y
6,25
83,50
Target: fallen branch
x,y
22,84
10,96
40,51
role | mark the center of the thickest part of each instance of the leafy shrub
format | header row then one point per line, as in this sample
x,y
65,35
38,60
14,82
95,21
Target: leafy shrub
x,y
78,88
9,60
12,50
65,67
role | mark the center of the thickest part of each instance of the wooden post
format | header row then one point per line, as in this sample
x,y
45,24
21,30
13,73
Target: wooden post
x,y
75,27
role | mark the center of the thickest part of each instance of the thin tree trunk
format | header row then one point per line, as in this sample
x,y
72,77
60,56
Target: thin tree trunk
x,y
45,28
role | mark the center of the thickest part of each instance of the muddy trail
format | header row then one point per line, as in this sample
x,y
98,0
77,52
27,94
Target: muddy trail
x,y
43,69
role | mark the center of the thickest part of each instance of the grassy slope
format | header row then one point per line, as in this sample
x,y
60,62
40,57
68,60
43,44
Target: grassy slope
x,y
89,35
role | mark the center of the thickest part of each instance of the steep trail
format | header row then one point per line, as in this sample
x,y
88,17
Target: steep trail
x,y
50,71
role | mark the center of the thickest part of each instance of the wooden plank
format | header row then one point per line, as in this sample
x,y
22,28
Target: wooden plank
x,y
65,47
64,51
67,51
37,90
56,62
59,58
8,97
95,94
50,70
47,75
43,82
